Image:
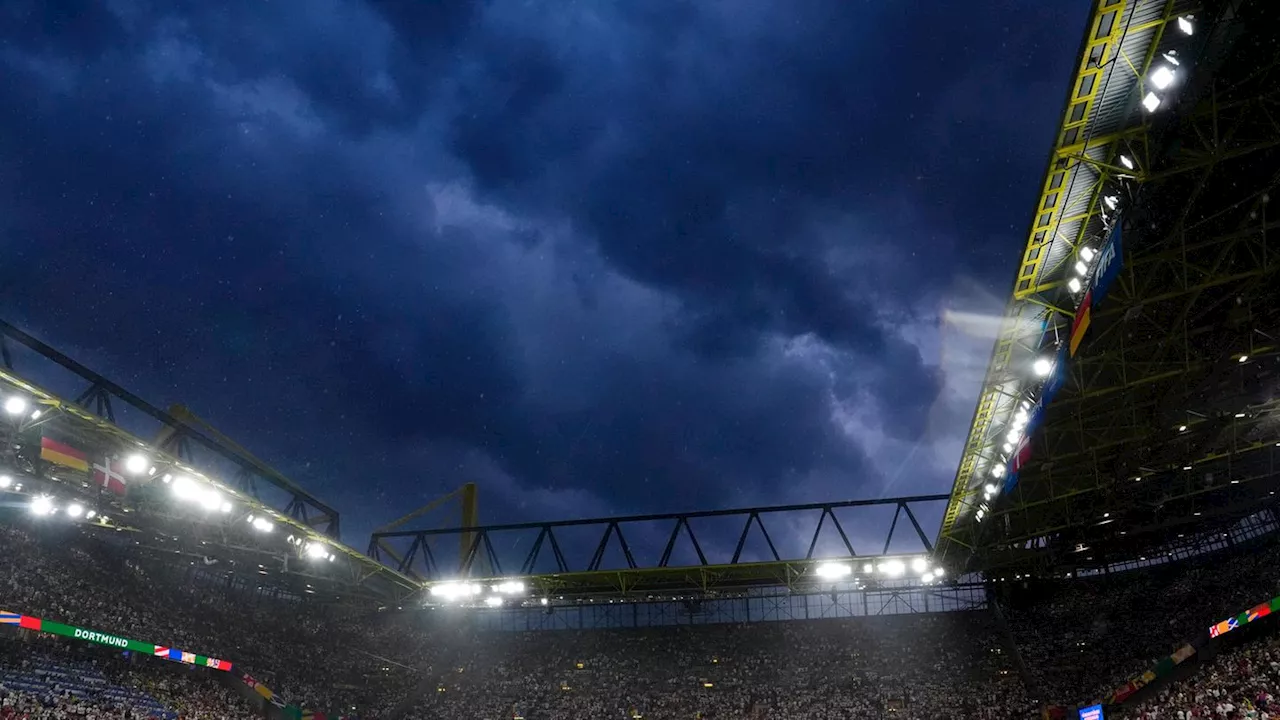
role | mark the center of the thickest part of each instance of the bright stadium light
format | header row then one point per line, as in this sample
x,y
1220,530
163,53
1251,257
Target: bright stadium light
x,y
510,587
89,515
1074,285
1112,202
996,471
938,572
455,590
1151,102
15,405
226,507
493,601
1008,447
1185,25
75,510
1126,162
1042,367
919,564
210,499
5,481
893,568
833,571
1162,77
261,524
316,550
990,489
1013,437
1171,57
41,505
927,577
137,463
1087,253
184,488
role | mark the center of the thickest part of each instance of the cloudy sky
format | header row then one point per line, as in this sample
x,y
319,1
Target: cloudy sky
x,y
599,257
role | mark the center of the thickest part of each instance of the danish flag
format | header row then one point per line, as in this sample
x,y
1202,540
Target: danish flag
x,y
110,475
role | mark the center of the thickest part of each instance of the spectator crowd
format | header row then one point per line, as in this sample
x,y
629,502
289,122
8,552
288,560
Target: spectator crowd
x,y
1063,642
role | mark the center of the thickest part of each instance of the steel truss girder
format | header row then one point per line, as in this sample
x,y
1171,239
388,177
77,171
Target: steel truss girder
x,y
295,502
1199,291
708,564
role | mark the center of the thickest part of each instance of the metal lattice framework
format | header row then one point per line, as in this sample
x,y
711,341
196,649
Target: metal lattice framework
x,y
1167,423
157,525
671,553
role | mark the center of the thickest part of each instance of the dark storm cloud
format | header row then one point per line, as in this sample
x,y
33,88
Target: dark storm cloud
x,y
610,258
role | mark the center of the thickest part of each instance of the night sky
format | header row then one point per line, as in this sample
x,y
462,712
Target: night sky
x,y
601,256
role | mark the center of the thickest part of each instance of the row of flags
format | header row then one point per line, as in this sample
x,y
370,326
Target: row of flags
x,y
105,473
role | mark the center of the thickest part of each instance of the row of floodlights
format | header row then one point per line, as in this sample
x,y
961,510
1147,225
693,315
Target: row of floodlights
x,y
1162,76
1165,74
894,568
465,591
45,505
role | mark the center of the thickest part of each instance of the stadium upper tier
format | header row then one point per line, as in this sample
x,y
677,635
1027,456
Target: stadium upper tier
x,y
1130,396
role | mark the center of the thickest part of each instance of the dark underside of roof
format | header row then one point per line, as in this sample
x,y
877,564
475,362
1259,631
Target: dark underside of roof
x,y
1168,425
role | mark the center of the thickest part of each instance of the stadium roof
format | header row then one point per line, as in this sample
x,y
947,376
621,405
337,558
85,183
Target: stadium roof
x,y
179,509
1111,374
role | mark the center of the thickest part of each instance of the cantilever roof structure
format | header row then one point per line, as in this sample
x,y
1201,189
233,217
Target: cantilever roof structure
x,y
1145,110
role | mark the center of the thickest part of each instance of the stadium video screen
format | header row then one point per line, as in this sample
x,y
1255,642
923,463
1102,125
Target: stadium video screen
x,y
1093,712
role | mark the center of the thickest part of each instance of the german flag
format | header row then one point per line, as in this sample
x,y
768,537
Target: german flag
x,y
62,454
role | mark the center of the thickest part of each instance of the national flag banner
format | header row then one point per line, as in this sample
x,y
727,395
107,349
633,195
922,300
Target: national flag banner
x,y
1080,324
1259,611
217,664
109,474
62,454
189,658
30,623
162,651
8,618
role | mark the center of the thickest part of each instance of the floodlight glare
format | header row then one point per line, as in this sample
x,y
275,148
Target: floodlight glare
x,y
15,405
997,471
493,601
1087,254
1042,367
137,463
75,510
1151,102
927,577
1184,24
893,568
919,564
316,550
833,571
1074,285
1162,77
41,505
1126,162
5,481
991,489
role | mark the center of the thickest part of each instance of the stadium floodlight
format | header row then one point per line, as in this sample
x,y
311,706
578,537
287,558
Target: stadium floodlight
x,y
1244,359
1013,437
833,571
5,481
137,463
990,489
15,405
1112,202
261,524
1074,285
893,568
1185,25
1126,161
927,577
210,499
1151,102
226,507
509,587
997,470
493,601
1162,77
919,564
938,572
1087,253
316,550
75,510
1042,367
35,414
41,505
1182,428
1171,57
543,601
455,590
89,515
184,488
